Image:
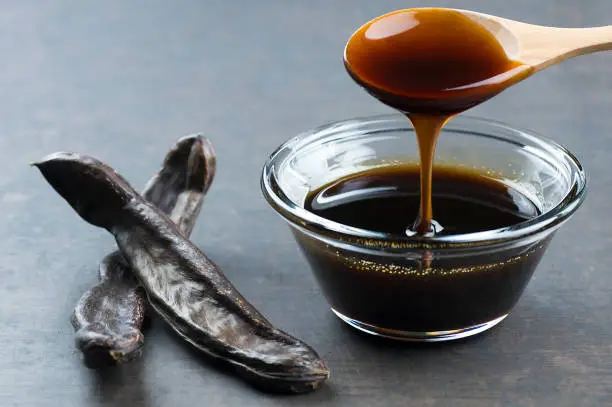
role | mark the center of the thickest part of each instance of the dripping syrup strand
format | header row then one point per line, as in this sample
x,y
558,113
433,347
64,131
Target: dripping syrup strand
x,y
427,129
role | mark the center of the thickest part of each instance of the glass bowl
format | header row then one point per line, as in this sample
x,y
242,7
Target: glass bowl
x,y
423,288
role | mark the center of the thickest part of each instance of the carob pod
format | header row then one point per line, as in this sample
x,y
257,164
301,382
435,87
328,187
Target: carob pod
x,y
108,318
187,289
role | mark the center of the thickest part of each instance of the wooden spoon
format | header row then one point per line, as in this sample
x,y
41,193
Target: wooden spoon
x,y
540,46
437,60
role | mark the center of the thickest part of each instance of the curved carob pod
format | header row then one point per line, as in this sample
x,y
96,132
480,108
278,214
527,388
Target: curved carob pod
x,y
185,288
108,318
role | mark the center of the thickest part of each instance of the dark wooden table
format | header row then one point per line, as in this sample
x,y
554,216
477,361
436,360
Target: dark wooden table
x,y
122,80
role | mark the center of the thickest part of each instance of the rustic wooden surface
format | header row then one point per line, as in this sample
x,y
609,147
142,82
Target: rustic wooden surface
x,y
121,80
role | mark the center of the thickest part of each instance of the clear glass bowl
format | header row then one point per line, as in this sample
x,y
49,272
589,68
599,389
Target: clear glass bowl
x,y
419,288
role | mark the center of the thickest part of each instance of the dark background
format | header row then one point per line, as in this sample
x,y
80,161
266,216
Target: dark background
x,y
121,80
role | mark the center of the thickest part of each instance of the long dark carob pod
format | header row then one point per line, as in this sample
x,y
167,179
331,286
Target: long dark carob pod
x,y
187,289
108,318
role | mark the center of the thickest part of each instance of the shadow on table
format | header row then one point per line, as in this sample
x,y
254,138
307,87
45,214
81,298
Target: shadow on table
x,y
325,392
514,347
120,385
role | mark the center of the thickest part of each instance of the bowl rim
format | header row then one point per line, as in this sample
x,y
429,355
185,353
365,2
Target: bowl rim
x,y
298,216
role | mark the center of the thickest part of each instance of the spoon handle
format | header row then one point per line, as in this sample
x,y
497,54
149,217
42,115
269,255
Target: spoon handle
x,y
545,46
